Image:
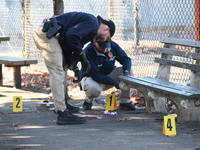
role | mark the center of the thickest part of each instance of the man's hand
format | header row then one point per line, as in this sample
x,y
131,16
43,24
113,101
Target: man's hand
x,y
116,84
84,62
126,72
79,76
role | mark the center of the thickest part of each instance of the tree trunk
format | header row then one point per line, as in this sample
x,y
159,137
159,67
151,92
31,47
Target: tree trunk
x,y
58,7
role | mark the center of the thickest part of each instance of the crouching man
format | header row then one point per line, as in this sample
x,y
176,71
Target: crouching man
x,y
104,74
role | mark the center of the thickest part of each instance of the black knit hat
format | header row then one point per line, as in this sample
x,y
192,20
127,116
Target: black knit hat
x,y
109,23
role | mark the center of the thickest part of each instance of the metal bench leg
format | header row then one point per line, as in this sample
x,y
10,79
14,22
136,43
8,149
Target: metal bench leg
x,y
17,77
1,75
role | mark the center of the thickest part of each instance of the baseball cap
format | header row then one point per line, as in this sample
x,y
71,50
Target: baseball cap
x,y
109,23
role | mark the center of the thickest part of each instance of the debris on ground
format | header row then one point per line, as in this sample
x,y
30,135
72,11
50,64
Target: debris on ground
x,y
15,124
39,79
123,119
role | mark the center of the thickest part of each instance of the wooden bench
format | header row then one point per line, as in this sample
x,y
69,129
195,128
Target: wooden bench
x,y
156,90
16,63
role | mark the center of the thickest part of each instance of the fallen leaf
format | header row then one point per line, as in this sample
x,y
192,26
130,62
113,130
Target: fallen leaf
x,y
15,124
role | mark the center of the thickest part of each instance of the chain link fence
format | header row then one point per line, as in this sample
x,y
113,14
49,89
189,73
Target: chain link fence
x,y
139,26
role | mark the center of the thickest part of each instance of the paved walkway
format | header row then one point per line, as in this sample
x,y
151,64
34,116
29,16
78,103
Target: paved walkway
x,y
34,129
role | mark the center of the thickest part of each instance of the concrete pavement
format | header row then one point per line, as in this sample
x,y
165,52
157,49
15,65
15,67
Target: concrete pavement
x,y
34,129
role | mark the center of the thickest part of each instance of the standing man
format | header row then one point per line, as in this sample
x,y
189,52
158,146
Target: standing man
x,y
61,39
104,74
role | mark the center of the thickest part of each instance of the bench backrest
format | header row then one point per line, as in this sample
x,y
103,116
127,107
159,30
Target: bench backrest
x,y
170,50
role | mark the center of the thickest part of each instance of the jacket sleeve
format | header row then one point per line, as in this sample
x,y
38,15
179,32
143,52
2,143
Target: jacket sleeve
x,y
98,76
121,56
75,34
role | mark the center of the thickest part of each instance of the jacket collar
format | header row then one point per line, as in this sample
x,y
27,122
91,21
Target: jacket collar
x,y
97,52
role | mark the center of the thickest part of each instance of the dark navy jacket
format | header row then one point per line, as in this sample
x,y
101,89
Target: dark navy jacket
x,y
78,28
103,64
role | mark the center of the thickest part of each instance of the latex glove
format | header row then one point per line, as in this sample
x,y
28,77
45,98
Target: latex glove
x,y
116,84
126,72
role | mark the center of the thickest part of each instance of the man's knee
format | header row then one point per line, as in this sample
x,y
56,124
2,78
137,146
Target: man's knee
x,y
92,88
93,92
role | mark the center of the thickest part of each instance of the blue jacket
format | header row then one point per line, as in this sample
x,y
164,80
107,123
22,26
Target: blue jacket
x,y
103,64
78,28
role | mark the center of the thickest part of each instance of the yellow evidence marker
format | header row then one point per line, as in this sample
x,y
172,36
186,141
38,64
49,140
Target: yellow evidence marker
x,y
169,126
17,103
111,103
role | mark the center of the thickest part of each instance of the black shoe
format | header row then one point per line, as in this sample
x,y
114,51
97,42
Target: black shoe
x,y
72,109
66,117
127,106
87,106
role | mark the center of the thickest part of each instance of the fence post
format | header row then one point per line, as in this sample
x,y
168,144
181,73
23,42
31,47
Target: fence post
x,y
136,40
26,28
111,10
197,20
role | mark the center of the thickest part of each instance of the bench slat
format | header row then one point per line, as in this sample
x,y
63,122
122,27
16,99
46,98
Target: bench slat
x,y
171,84
13,61
156,87
16,63
183,42
165,83
159,85
4,38
175,52
164,61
